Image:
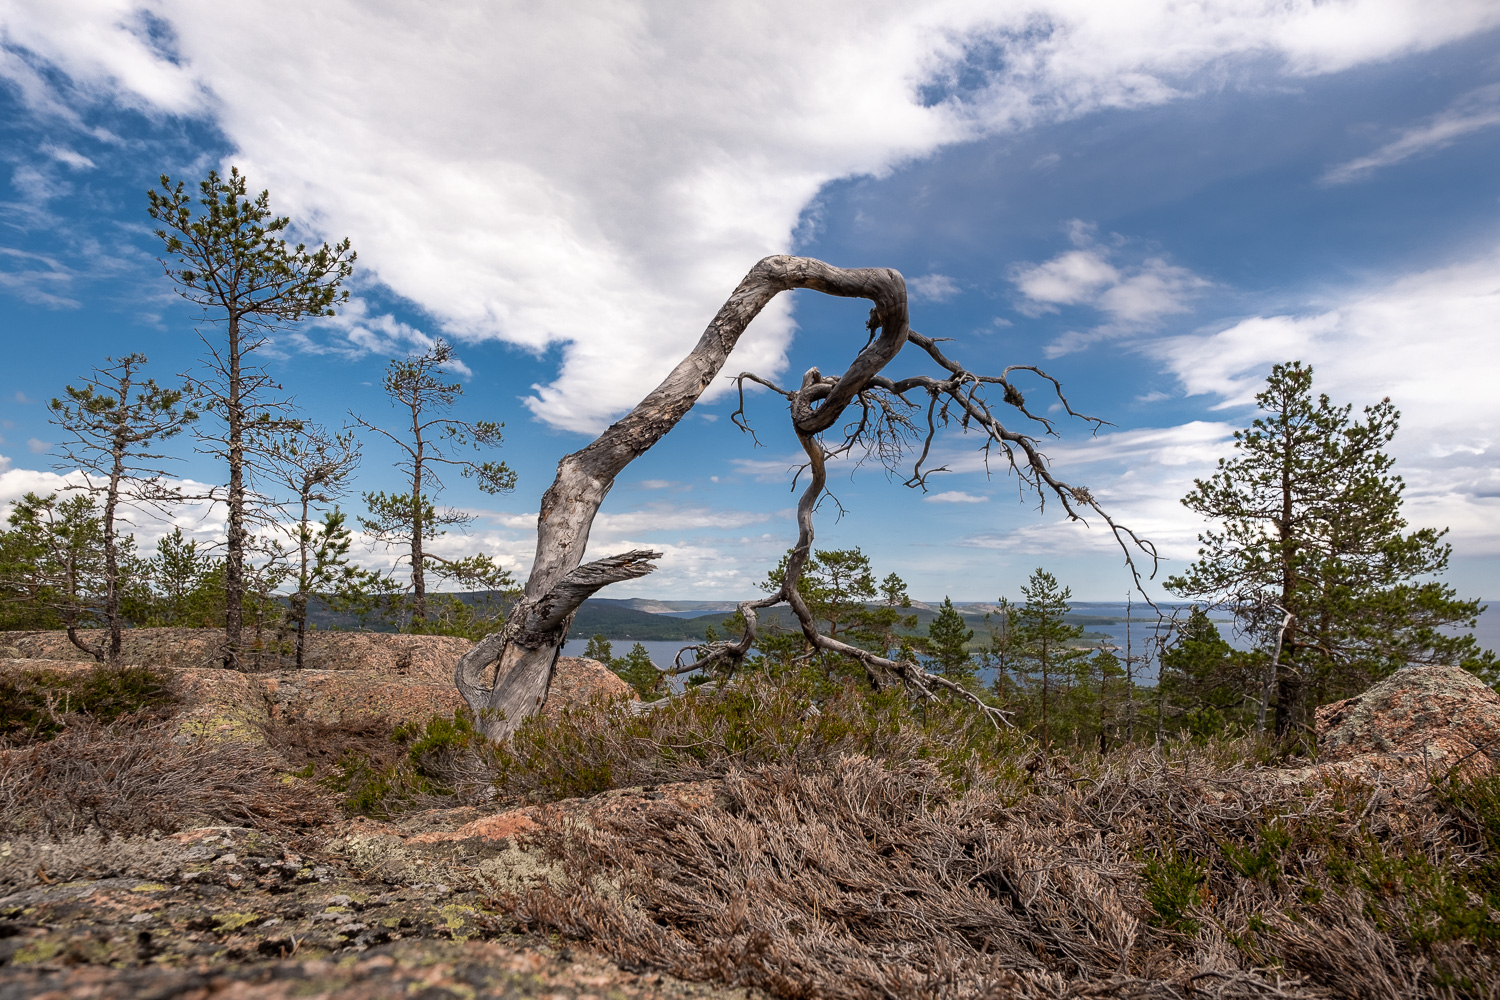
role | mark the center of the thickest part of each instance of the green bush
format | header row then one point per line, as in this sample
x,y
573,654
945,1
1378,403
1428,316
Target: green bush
x,y
1173,886
760,721
381,770
35,704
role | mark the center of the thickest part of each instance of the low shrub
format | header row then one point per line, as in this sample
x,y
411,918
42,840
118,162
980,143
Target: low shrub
x,y
381,770
129,777
757,722
1140,874
35,704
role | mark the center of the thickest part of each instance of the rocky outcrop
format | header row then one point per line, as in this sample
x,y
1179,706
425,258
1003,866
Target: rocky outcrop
x,y
577,680
1422,718
428,656
405,678
238,914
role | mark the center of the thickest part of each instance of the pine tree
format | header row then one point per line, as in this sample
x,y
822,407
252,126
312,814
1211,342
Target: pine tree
x,y
599,648
229,257
52,566
637,670
999,653
838,585
186,586
114,421
948,638
876,625
1307,523
315,466
1044,640
1204,680
1112,692
427,442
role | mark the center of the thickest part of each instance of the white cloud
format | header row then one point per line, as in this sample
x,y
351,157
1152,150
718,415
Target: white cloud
x,y
932,288
664,517
703,550
36,278
955,496
1427,341
1473,112
1067,279
1131,297
72,158
37,446
1149,292
601,175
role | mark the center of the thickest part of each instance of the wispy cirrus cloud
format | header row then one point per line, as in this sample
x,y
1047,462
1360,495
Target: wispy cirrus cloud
x,y
358,331
955,496
1473,112
37,278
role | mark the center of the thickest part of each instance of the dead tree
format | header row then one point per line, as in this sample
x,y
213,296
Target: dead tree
x,y
879,424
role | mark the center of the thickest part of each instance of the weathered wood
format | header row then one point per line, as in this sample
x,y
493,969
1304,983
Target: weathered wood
x,y
525,651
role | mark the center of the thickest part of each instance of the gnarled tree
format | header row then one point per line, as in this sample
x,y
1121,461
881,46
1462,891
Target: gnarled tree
x,y
873,416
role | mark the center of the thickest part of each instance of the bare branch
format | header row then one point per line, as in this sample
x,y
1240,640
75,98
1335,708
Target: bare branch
x,y
881,428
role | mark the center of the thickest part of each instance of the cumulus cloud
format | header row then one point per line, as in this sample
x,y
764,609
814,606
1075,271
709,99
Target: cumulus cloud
x,y
704,550
1473,112
932,288
1426,340
1130,297
599,176
1067,279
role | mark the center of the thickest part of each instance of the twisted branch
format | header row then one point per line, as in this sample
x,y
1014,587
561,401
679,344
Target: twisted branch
x,y
525,650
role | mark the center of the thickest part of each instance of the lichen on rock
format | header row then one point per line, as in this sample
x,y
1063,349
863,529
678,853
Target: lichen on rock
x,y
1427,717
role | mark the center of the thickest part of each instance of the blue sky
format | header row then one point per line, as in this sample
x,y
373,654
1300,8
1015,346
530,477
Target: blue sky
x,y
1154,203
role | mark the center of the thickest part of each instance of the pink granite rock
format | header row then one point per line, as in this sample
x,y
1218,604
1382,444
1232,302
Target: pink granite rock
x,y
1433,718
578,680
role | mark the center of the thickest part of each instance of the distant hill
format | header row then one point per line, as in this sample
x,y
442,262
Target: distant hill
x,y
641,619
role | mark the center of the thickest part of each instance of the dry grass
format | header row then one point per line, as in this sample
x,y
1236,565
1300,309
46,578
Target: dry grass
x,y
1147,877
131,778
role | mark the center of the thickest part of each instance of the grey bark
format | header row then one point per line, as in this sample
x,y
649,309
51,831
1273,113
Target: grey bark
x,y
525,651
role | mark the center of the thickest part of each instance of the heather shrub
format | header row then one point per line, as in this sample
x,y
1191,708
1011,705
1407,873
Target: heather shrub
x,y
35,704
381,770
760,721
129,777
1132,875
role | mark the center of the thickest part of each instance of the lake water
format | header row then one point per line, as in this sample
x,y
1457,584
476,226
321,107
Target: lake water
x,y
1142,626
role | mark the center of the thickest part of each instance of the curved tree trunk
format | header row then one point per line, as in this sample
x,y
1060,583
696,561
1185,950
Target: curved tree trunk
x,y
526,649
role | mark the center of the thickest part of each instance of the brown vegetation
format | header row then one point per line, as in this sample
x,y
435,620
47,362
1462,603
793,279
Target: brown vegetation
x,y
1149,875
793,836
127,778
